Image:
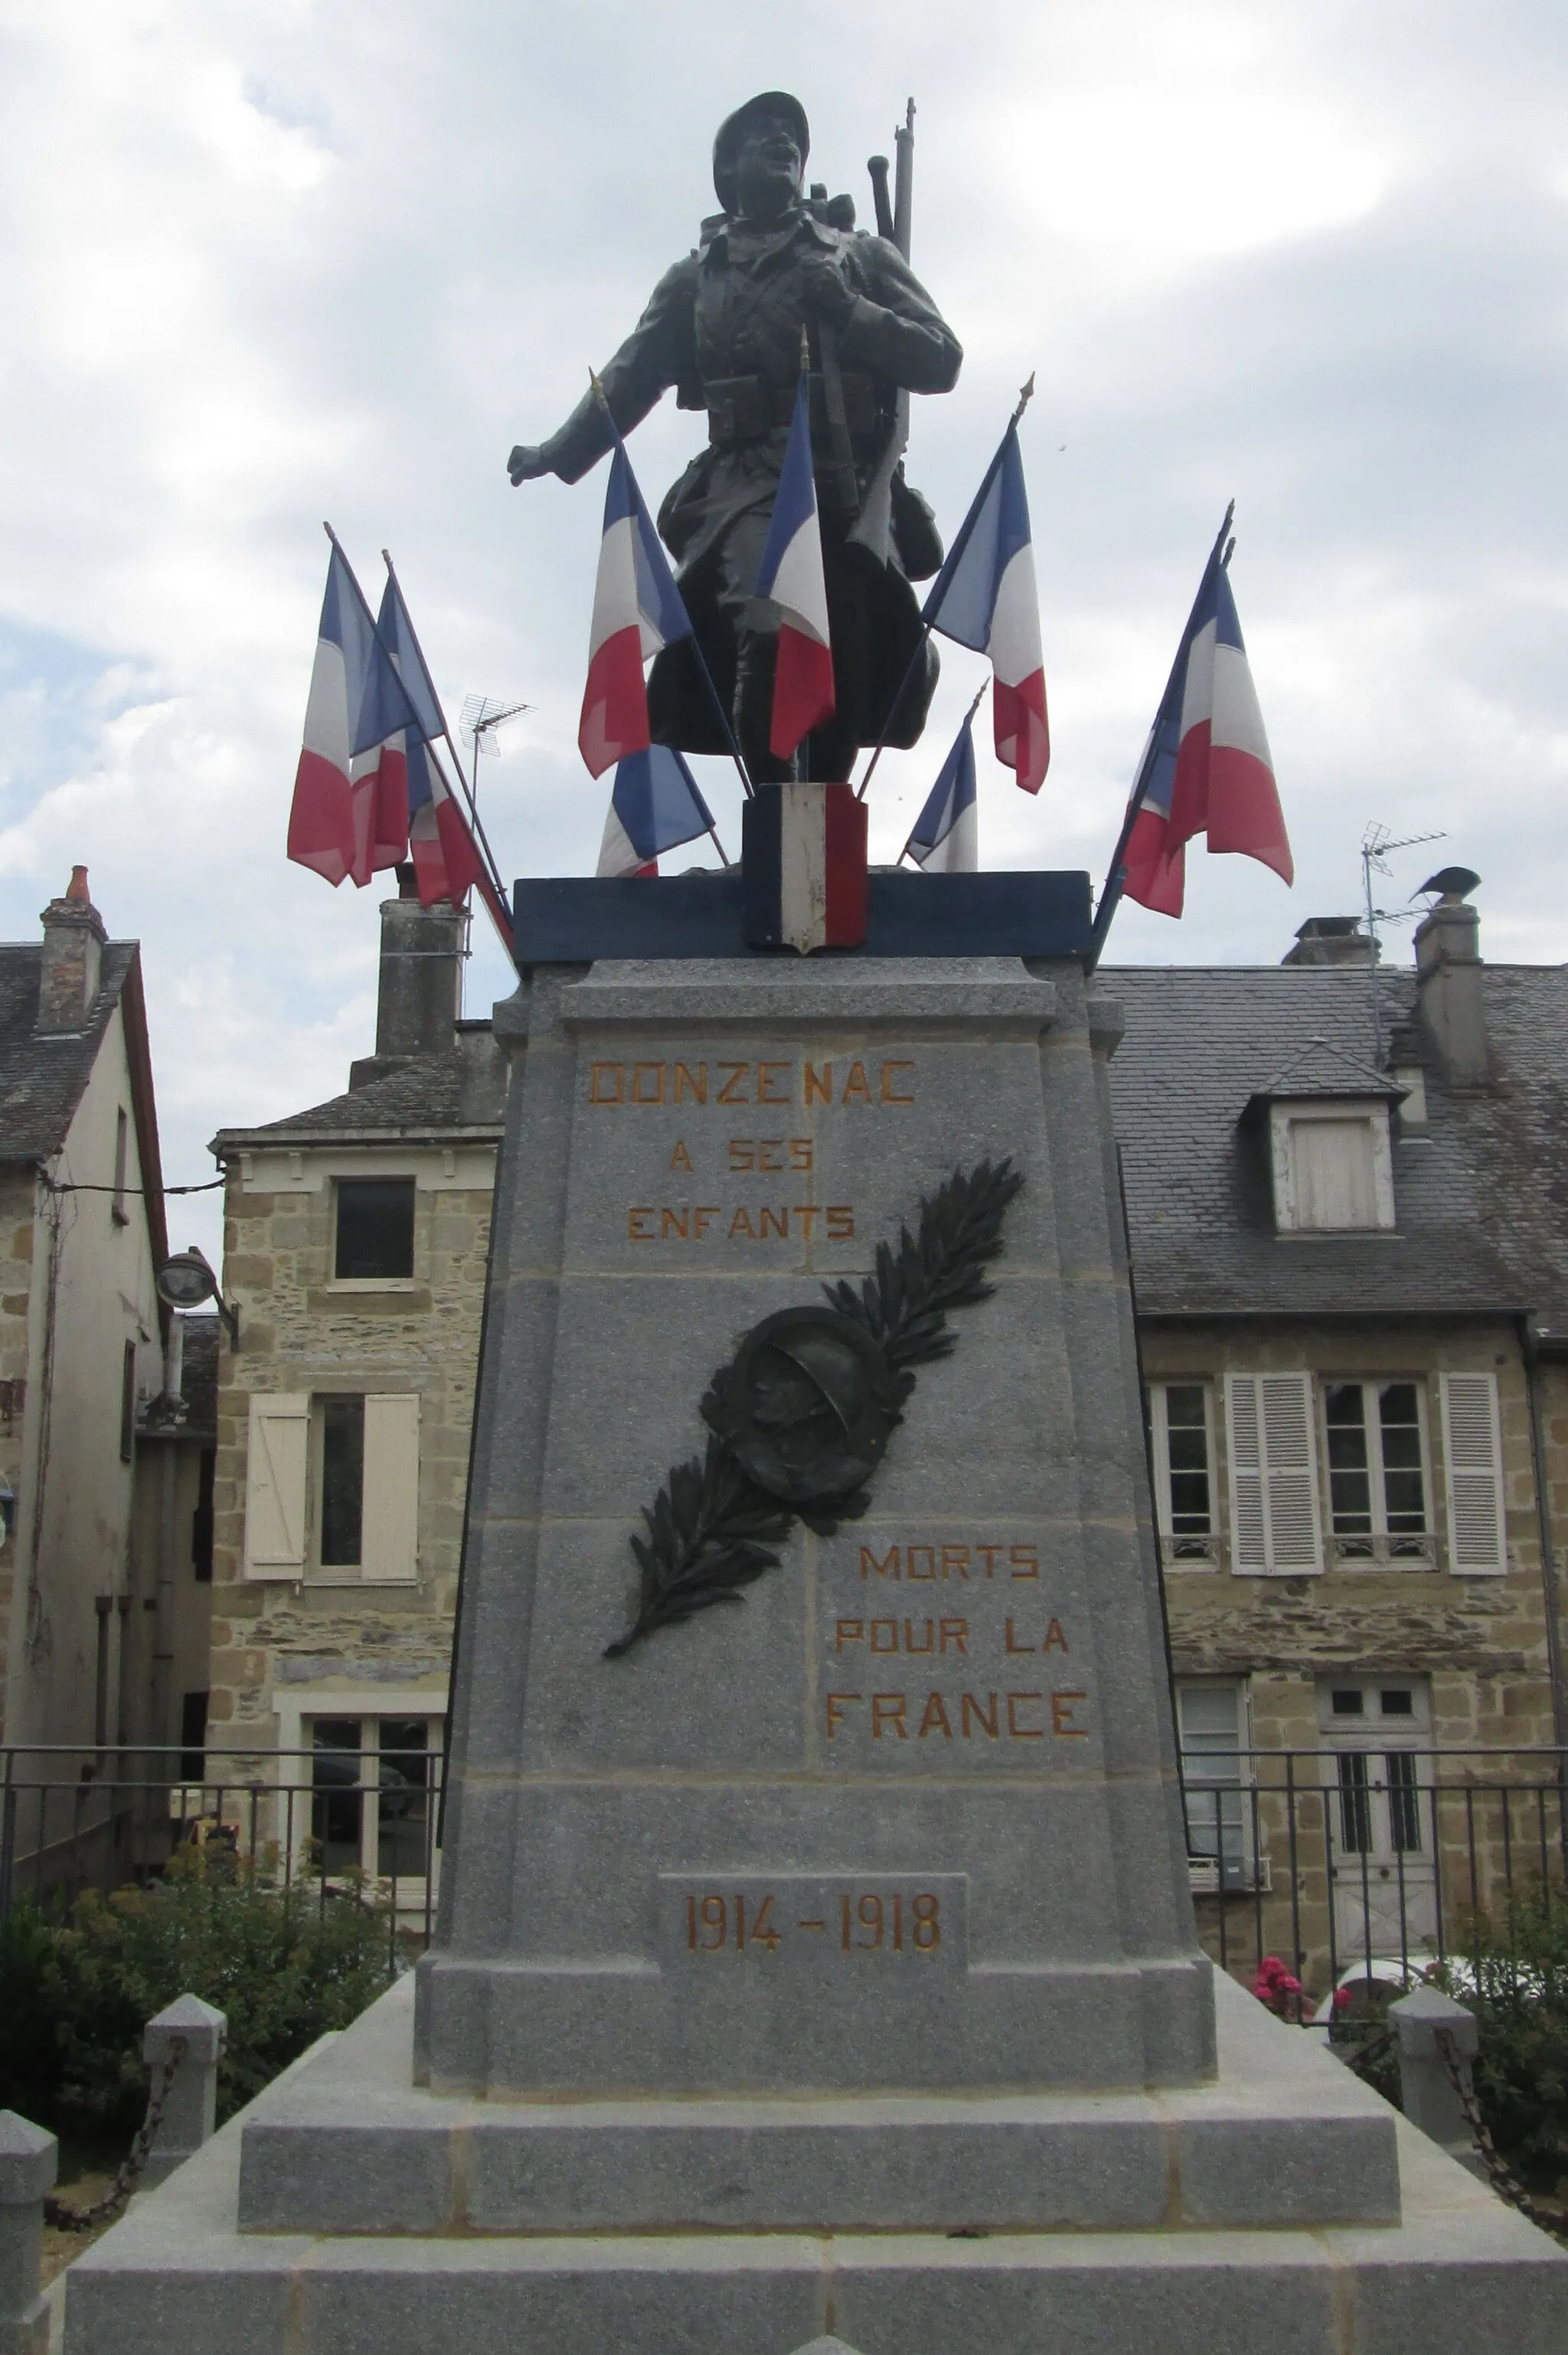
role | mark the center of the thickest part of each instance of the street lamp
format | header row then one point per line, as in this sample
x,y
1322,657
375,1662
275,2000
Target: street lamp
x,y
187,1280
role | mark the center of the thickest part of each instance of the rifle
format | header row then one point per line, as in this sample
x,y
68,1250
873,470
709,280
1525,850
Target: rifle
x,y
833,396
875,528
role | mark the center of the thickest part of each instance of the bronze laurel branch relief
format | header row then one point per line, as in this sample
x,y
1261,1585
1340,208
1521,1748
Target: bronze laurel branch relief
x,y
800,1418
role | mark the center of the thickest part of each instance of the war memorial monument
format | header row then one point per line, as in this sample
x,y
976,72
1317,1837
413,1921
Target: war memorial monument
x,y
816,1965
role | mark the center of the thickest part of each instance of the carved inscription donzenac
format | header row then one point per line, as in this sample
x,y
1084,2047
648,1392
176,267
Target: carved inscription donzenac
x,y
851,1084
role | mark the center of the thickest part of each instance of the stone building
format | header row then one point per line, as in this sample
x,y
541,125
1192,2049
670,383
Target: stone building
x,y
81,1234
355,1254
1346,1199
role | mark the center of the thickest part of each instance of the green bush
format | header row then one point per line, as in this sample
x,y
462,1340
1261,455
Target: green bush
x,y
28,2060
1513,1974
285,1965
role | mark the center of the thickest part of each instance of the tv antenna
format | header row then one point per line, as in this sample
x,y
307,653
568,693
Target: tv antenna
x,y
1376,844
482,716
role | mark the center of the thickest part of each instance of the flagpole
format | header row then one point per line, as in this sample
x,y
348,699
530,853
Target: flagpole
x,y
721,714
949,565
1115,874
472,805
968,722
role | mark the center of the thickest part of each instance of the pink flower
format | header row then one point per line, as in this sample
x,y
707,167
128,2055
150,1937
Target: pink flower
x,y
1343,1998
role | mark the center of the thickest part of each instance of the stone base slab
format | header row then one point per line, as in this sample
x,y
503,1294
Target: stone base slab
x,y
1460,2276
1282,2136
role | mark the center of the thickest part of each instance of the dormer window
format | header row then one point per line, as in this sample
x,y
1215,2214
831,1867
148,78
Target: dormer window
x,y
1331,1164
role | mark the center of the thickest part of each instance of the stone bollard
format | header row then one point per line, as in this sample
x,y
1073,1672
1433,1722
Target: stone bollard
x,y
28,2161
191,2107
1426,2089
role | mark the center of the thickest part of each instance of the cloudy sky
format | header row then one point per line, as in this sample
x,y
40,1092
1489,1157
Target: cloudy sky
x,y
267,262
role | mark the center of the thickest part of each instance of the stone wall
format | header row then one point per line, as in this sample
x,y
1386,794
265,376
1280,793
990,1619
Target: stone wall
x,y
1480,1643
16,1280
274,1642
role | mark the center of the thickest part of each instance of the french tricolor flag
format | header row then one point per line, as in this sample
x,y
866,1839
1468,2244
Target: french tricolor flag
x,y
348,816
1206,767
984,597
946,836
791,574
445,857
638,611
654,807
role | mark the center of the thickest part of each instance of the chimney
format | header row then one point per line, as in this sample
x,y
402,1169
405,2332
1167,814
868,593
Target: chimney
x,y
73,945
1448,979
418,991
1332,939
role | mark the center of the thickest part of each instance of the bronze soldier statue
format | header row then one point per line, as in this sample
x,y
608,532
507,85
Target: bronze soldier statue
x,y
724,328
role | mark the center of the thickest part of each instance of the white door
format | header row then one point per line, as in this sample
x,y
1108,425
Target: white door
x,y
1376,1798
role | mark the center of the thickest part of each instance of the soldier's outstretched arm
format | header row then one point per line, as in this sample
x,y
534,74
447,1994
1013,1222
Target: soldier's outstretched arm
x,y
660,351
894,328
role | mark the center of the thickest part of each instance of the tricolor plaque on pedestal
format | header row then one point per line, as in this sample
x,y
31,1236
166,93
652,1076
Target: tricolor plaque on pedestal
x,y
803,852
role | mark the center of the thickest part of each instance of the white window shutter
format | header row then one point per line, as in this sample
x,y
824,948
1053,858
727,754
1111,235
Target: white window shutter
x,y
1273,1475
1472,1443
1249,1525
275,1485
1291,1489
389,1546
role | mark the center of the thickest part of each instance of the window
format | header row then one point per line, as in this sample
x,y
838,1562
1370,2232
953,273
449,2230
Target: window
x,y
201,1518
1333,1171
342,1482
1274,1473
127,1401
117,1211
371,1792
375,1228
1210,1722
193,1736
1179,1420
1472,1446
332,1488
1377,1476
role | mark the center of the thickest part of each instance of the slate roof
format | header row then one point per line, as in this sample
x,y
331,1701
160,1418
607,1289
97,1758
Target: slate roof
x,y
42,1080
424,1098
1481,1194
198,1376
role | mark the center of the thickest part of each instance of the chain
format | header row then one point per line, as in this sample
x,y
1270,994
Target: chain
x,y
1506,2185
67,2218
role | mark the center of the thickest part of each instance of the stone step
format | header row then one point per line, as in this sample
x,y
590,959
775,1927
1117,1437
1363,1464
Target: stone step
x,y
1281,2137
1459,2276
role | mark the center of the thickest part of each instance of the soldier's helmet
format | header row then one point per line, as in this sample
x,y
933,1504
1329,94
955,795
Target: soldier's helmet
x,y
726,144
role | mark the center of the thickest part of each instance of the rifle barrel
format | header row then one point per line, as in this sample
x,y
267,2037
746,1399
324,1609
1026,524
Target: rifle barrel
x,y
878,168
904,181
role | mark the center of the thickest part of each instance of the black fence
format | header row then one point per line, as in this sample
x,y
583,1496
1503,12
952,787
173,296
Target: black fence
x,y
1369,1864
1349,1864
334,1821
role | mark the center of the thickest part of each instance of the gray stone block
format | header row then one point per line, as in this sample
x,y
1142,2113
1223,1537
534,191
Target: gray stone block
x,y
714,1748
1457,2275
187,2036
29,2162
1281,2137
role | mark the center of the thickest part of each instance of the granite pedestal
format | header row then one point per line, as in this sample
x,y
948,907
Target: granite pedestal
x,y
824,1966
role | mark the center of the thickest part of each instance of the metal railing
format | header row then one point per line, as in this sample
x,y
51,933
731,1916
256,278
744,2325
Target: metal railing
x,y
330,1821
1374,1862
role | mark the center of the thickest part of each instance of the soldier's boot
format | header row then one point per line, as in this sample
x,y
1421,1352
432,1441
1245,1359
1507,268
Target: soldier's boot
x,y
754,660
